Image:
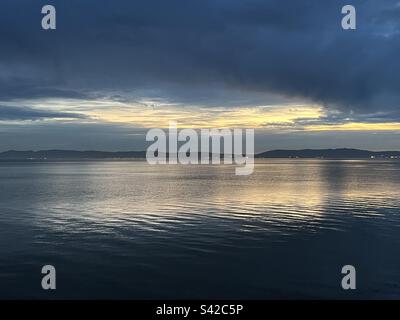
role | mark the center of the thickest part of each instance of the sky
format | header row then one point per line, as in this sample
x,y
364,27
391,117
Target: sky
x,y
112,70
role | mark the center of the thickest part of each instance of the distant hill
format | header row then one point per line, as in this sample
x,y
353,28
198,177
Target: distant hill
x,y
329,154
68,155
92,155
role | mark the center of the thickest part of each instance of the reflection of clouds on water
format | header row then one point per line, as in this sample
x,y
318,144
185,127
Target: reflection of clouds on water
x,y
299,193
281,232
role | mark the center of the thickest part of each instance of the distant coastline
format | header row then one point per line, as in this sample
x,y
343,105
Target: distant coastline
x,y
341,153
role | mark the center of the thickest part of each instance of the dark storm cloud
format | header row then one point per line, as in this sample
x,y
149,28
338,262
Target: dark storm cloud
x,y
13,89
188,50
8,113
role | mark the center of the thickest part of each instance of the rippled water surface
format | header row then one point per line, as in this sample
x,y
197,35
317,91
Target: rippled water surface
x,y
121,229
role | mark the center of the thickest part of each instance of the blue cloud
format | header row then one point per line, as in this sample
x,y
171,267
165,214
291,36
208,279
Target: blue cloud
x,y
8,113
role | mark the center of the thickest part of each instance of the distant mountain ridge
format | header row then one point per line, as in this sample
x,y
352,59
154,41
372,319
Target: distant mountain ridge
x,y
342,153
68,154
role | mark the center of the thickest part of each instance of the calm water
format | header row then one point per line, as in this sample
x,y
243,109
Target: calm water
x,y
130,230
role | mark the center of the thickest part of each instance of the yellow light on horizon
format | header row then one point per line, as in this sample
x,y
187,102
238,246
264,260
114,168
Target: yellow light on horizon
x,y
356,126
251,117
150,114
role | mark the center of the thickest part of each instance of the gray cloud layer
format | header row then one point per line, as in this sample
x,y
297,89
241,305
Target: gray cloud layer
x,y
8,113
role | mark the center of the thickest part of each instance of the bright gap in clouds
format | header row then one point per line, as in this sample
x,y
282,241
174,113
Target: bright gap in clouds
x,y
150,113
